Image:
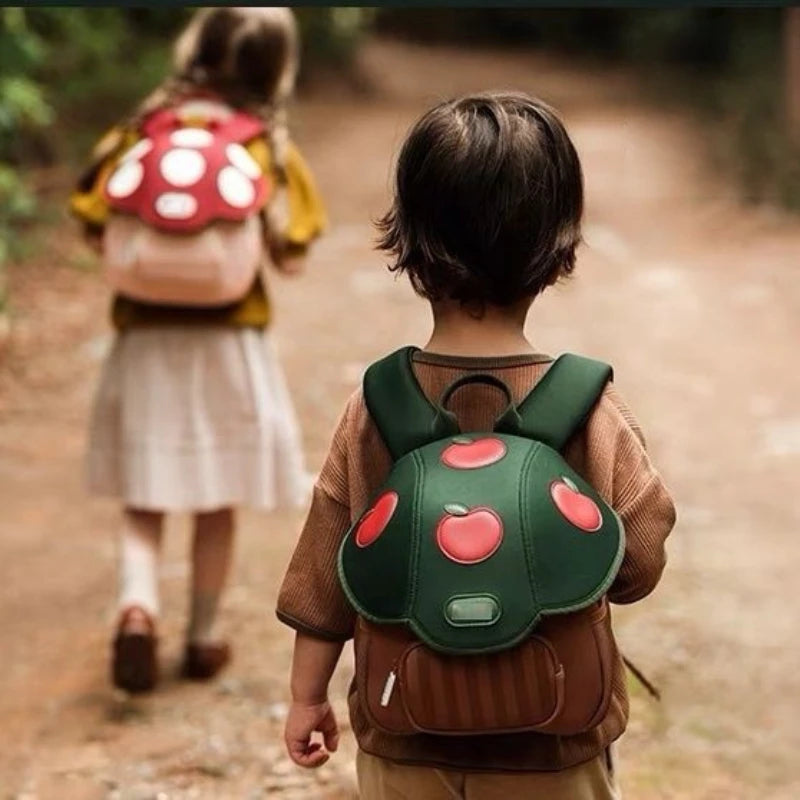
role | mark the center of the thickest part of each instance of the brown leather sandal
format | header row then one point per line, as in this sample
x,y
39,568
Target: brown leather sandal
x,y
201,662
134,665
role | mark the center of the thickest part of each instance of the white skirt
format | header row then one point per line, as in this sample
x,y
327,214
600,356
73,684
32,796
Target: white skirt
x,y
195,419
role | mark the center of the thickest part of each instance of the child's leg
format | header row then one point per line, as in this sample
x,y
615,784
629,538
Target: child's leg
x,y
380,779
139,546
212,549
211,558
134,665
589,781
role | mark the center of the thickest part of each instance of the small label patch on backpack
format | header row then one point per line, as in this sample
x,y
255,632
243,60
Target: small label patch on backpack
x,y
473,610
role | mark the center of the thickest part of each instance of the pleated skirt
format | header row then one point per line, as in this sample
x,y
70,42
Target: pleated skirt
x,y
194,419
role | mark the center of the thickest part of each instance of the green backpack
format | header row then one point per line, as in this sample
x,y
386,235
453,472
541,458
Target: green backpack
x,y
479,570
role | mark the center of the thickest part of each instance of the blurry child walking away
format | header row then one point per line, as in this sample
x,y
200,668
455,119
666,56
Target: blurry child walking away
x,y
481,503
187,199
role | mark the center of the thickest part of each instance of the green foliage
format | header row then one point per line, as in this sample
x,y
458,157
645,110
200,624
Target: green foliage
x,y
22,100
21,48
17,204
693,36
100,62
22,107
331,35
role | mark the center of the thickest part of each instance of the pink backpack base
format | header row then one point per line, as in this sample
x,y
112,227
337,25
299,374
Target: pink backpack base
x,y
214,267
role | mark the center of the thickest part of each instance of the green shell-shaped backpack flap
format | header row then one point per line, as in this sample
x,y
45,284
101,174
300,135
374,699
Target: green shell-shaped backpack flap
x,y
474,537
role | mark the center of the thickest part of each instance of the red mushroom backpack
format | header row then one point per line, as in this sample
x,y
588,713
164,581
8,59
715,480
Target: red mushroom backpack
x,y
479,570
185,226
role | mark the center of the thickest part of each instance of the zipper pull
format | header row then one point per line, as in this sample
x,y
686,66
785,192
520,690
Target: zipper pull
x,y
388,688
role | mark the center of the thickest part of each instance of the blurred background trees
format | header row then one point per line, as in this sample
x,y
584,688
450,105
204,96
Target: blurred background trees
x,y
79,66
738,68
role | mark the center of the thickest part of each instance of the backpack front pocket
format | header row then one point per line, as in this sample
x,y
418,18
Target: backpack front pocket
x,y
213,267
558,681
514,690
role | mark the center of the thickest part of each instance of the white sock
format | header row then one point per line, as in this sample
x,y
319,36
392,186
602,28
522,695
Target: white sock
x,y
139,545
202,617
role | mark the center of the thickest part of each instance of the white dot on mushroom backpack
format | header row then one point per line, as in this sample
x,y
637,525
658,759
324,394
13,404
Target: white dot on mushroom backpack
x,y
243,161
138,151
191,137
125,180
235,187
182,167
175,205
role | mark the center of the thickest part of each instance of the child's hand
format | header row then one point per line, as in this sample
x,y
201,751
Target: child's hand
x,y
302,721
291,265
95,240
287,261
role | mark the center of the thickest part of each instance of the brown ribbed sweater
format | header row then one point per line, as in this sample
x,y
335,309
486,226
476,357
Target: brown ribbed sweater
x,y
609,453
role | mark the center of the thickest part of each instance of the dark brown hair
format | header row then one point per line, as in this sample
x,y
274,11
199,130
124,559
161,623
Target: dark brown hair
x,y
488,201
247,55
242,53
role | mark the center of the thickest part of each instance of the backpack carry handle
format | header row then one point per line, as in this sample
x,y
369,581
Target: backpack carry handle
x,y
465,380
510,415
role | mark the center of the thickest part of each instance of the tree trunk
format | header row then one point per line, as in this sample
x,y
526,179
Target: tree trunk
x,y
792,60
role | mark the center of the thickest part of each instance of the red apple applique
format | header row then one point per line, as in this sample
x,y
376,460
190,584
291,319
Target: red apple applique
x,y
374,522
469,536
578,509
466,453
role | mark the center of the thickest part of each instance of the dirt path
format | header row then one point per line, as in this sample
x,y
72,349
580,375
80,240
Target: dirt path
x,y
695,301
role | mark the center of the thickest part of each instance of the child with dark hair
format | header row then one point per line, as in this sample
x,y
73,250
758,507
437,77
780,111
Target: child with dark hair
x,y
187,198
486,215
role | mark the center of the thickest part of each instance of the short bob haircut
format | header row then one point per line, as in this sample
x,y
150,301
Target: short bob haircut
x,y
488,201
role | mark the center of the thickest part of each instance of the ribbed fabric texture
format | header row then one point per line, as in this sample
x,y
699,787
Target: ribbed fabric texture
x,y
609,453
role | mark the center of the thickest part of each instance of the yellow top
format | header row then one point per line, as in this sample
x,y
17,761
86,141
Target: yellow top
x,y
306,220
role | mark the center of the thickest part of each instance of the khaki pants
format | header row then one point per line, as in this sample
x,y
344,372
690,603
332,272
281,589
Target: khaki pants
x,y
379,779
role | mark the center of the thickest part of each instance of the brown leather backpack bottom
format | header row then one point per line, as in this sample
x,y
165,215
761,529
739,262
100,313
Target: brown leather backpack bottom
x,y
557,681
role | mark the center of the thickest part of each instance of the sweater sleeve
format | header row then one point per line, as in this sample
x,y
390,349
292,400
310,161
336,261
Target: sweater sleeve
x,y
86,201
619,466
305,218
311,599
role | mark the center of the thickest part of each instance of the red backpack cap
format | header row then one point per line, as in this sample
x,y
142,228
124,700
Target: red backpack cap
x,y
181,177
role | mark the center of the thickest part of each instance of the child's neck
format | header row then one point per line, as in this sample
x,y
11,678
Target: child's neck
x,y
497,332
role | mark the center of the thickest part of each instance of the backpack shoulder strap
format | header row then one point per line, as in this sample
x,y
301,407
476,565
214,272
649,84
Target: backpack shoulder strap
x,y
561,402
405,418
